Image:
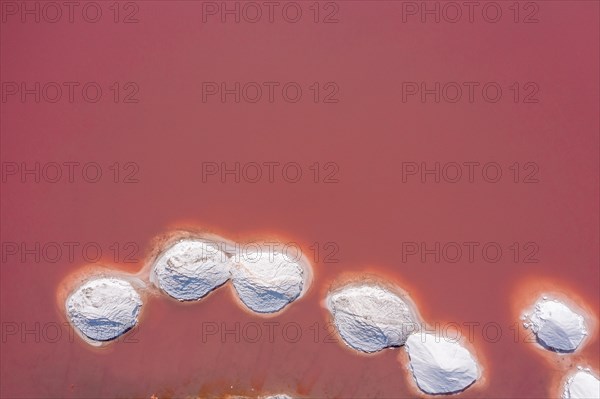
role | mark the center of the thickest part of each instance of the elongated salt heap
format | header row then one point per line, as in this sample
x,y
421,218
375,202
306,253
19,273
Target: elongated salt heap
x,y
104,308
582,385
190,269
267,281
370,317
440,366
556,326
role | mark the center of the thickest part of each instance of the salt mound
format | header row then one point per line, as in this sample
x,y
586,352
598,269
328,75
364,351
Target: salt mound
x,y
190,269
440,366
370,317
556,326
582,385
104,308
266,281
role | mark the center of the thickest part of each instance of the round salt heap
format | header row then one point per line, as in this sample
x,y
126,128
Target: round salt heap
x,y
104,308
556,326
582,385
190,269
266,281
440,366
370,317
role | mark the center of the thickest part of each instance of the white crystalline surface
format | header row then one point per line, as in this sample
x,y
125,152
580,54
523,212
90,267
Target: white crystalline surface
x,y
440,366
190,269
267,281
556,326
370,317
104,308
582,385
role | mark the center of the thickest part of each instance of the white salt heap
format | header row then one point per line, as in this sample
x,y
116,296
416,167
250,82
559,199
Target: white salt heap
x,y
582,385
190,269
266,281
556,326
440,366
104,308
370,317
